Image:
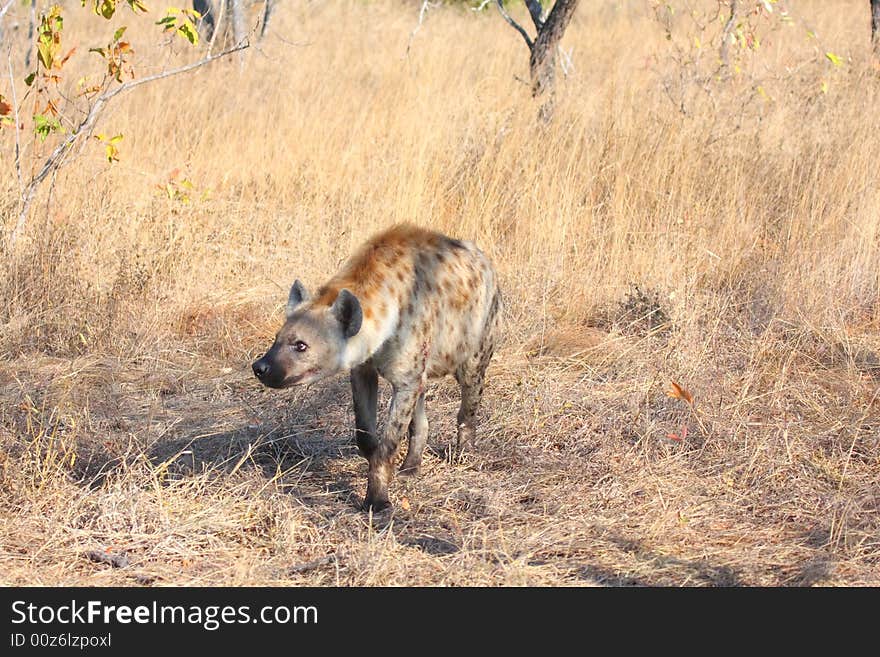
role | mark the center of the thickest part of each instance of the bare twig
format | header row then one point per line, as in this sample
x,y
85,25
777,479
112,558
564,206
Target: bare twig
x,y
88,123
17,126
424,10
217,26
481,6
725,34
514,24
268,8
32,26
5,8
565,61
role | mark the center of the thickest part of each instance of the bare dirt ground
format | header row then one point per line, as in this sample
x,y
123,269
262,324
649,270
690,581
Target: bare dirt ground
x,y
200,476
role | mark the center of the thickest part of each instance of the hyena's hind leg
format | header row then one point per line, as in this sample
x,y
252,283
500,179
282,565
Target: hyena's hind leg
x,y
471,376
418,438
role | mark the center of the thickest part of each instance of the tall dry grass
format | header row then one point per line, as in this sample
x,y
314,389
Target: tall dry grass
x,y
748,221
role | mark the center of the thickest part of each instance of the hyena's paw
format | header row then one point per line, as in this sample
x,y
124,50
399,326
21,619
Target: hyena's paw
x,y
376,504
463,443
409,470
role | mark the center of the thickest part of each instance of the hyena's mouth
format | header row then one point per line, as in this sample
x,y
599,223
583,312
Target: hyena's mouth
x,y
294,380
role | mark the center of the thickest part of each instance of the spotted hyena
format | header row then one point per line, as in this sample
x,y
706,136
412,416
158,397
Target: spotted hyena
x,y
411,304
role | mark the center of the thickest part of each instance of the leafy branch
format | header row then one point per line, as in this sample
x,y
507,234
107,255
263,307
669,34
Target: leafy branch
x,y
55,160
44,86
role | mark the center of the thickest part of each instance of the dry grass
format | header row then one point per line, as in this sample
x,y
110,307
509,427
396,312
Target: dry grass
x,y
749,225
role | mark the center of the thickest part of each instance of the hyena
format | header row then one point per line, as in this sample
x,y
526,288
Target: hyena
x,y
411,304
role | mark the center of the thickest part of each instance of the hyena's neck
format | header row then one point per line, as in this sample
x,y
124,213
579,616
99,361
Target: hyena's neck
x,y
380,275
380,308
375,330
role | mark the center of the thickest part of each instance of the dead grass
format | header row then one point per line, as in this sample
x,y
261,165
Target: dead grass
x,y
637,245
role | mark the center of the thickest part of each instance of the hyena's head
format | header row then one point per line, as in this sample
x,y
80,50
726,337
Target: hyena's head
x,y
311,344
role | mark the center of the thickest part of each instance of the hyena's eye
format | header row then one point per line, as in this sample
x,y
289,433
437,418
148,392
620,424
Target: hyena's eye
x,y
299,345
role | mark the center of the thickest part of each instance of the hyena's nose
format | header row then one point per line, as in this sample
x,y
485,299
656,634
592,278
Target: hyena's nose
x,y
261,368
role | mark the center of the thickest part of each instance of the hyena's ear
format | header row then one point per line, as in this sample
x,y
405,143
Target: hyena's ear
x,y
347,309
297,295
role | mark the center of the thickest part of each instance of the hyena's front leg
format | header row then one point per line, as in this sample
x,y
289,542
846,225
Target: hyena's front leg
x,y
364,388
381,461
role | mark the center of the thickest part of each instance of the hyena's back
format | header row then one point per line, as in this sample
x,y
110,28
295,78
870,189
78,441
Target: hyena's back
x,y
432,301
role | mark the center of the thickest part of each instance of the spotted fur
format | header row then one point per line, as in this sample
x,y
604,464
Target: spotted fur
x,y
409,305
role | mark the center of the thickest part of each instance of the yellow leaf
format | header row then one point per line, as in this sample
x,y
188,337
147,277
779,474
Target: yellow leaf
x,y
834,59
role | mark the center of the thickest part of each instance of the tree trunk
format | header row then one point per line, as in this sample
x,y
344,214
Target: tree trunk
x,y
235,8
206,24
875,27
542,51
542,62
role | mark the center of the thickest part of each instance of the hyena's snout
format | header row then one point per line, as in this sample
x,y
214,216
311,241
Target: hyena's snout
x,y
270,370
262,368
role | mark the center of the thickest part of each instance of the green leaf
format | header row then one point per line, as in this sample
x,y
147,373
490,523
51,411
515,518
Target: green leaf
x,y
189,31
43,125
834,59
100,51
106,8
118,33
29,80
116,139
44,54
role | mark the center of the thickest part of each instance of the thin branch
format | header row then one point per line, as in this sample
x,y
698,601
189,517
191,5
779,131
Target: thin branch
x,y
180,69
5,8
17,126
424,10
267,15
482,5
565,62
88,123
514,24
727,31
217,26
32,26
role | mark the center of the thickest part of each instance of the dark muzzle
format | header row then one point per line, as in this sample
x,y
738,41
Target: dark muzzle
x,y
262,368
